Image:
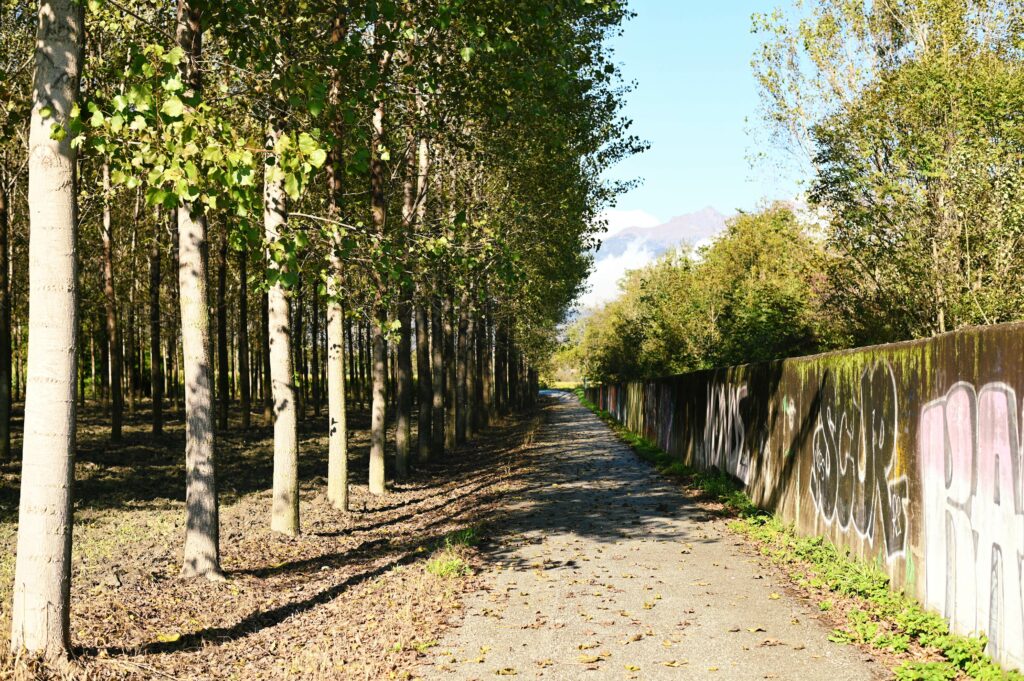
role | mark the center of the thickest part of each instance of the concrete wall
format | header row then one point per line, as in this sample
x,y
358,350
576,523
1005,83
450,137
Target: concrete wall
x,y
907,454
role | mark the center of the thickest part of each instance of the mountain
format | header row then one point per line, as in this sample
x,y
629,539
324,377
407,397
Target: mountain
x,y
634,247
692,228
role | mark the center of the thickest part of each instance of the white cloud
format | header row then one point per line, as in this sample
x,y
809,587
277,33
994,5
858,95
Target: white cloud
x,y
619,220
603,284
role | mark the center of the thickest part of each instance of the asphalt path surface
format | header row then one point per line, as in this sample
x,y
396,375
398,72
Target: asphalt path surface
x,y
602,569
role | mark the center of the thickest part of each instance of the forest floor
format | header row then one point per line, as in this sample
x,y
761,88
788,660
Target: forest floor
x,y
599,568
361,595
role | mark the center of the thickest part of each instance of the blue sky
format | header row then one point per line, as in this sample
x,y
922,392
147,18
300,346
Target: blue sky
x,y
695,101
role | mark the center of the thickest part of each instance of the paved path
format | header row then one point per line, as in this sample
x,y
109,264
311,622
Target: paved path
x,y
603,570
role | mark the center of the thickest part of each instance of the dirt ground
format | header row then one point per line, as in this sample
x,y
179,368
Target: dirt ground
x,y
350,598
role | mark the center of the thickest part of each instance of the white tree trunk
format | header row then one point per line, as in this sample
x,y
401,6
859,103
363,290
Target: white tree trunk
x,y
285,509
202,533
378,406
202,520
337,448
42,577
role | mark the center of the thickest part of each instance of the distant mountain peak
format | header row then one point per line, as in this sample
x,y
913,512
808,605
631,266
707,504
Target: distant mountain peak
x,y
691,228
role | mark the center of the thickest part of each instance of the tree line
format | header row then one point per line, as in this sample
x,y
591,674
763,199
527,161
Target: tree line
x,y
903,121
285,210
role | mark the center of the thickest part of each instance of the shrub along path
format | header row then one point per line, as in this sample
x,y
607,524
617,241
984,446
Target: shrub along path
x,y
599,568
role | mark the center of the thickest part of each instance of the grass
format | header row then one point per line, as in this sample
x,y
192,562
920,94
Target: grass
x,y
874,615
450,558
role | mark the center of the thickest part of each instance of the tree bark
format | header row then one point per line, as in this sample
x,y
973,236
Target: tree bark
x,y
486,351
378,213
476,370
363,362
244,377
5,328
113,328
500,369
42,579
378,405
223,392
155,362
403,396
202,534
462,377
437,426
298,346
285,512
451,375
268,398
337,434
424,384
315,359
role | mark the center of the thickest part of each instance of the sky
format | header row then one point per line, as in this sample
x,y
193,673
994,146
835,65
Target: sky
x,y
694,102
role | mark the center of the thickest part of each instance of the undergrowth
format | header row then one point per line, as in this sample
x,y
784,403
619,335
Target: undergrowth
x,y
450,559
880,617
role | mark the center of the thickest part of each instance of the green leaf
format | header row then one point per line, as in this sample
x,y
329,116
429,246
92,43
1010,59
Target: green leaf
x,y
307,145
175,56
173,107
467,53
318,158
291,185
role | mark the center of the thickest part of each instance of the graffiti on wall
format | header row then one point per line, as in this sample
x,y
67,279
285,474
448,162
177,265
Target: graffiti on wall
x,y
724,435
854,460
969,449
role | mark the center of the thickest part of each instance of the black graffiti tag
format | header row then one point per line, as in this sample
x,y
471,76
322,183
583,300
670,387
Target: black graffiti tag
x,y
854,454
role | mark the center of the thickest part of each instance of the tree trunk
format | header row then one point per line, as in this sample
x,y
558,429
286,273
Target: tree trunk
x,y
451,375
155,362
476,373
337,435
244,377
378,405
5,329
42,579
437,426
403,426
223,393
424,384
462,376
268,398
501,369
486,371
285,513
113,328
315,363
363,352
298,345
133,372
202,534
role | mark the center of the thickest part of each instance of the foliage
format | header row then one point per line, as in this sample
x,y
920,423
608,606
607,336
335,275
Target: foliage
x,y
906,116
756,293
